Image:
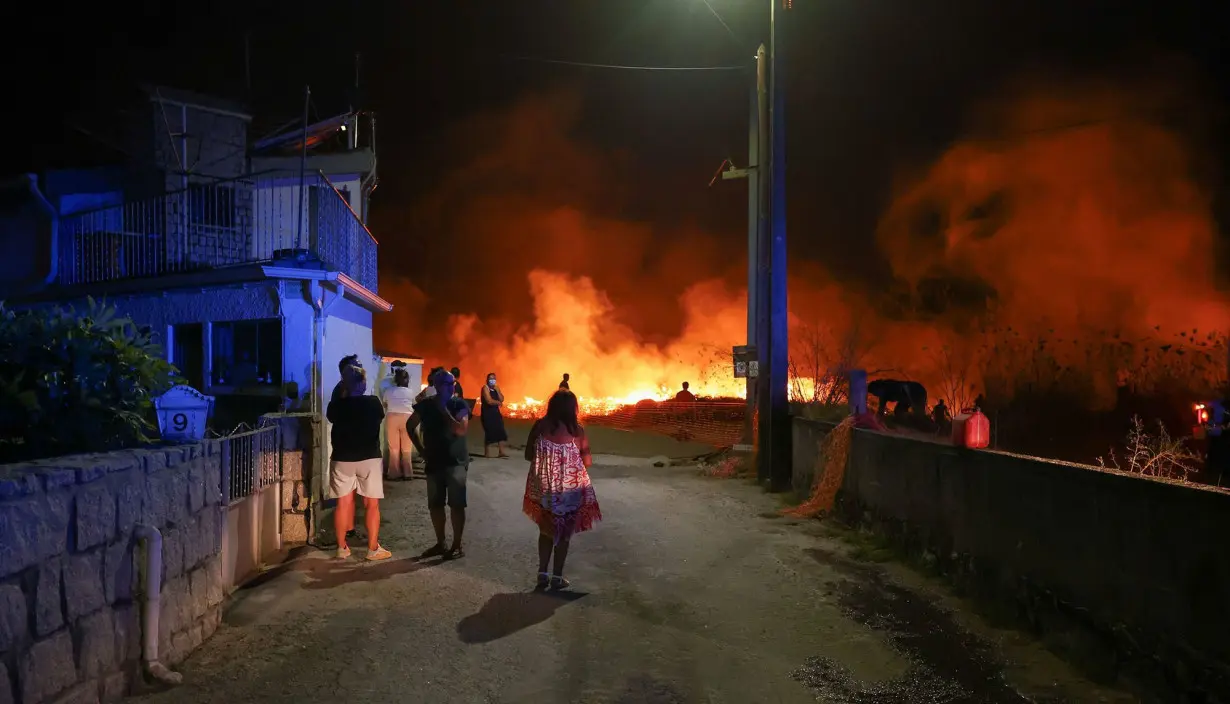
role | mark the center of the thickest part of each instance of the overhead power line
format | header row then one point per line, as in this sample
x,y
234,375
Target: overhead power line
x,y
584,64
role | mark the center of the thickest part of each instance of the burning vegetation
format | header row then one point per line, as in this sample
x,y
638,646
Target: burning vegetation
x,y
1062,258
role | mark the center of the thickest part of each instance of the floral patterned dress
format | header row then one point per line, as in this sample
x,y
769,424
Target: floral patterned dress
x,y
559,496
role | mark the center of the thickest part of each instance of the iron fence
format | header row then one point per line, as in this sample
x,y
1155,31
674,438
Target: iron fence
x,y
255,219
251,461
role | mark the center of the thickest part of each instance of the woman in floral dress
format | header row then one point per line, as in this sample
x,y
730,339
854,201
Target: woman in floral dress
x,y
559,496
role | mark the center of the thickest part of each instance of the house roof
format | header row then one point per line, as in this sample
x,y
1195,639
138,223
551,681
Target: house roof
x,y
293,137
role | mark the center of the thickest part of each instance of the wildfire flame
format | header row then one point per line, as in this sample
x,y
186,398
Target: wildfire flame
x,y
1073,221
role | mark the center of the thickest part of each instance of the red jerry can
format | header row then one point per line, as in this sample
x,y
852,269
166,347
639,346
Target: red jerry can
x,y
971,429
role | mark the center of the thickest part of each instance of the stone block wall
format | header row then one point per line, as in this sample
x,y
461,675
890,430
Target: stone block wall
x,y
299,433
71,569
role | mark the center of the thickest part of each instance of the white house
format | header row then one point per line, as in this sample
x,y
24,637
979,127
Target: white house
x,y
255,266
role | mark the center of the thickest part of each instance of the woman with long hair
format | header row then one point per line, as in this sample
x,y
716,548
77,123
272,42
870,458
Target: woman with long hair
x,y
398,405
559,496
494,434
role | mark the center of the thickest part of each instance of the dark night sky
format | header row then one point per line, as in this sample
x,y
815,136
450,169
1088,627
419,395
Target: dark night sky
x,y
876,85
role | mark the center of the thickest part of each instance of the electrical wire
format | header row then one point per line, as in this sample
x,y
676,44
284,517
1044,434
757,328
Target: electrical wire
x,y
722,21
583,64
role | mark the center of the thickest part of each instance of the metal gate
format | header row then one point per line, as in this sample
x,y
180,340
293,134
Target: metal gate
x,y
251,488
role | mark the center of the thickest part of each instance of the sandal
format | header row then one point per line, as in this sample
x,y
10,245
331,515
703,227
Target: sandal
x,y
544,580
559,583
378,554
455,553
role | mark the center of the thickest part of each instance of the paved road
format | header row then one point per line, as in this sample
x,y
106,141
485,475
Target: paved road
x,y
687,592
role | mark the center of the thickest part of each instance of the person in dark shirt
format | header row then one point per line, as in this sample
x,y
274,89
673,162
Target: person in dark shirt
x,y
357,462
430,389
339,390
684,395
564,384
445,419
457,383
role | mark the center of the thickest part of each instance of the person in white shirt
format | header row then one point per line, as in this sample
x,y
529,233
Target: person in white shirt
x,y
399,404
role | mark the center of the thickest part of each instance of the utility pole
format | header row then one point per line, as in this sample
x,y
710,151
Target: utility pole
x,y
763,453
774,456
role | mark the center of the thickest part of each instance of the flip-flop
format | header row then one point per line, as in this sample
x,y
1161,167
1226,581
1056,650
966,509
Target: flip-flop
x,y
455,553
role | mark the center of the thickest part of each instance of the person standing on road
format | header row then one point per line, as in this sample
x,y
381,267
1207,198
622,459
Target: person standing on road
x,y
445,419
563,384
457,391
399,404
559,496
494,434
356,462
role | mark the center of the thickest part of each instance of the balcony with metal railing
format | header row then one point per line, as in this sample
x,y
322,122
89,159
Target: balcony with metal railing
x,y
257,219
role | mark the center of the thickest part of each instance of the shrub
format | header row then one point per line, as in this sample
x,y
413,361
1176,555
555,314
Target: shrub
x,y
76,383
1154,454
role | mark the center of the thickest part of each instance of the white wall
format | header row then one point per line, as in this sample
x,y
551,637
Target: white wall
x,y
347,331
298,337
276,214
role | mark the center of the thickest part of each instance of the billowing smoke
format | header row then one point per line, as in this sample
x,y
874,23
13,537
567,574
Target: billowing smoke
x,y
1074,226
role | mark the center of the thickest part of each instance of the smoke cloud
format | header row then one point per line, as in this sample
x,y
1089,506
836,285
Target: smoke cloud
x,y
1076,215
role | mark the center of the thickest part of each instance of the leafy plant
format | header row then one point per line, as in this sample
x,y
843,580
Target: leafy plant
x,y
74,382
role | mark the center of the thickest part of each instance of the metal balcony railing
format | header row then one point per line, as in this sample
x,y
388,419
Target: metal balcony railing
x,y
256,219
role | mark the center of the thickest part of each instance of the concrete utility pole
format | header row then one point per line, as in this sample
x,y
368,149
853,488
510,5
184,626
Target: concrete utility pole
x,y
774,455
756,173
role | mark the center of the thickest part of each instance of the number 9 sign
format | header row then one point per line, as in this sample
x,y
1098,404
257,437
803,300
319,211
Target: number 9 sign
x,y
182,413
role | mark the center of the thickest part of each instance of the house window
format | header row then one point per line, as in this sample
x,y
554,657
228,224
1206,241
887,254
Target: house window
x,y
188,352
212,206
247,353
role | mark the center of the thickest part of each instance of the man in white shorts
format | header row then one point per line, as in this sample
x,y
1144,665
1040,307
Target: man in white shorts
x,y
357,462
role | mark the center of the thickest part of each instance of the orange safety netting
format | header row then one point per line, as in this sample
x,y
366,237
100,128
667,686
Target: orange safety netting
x,y
834,452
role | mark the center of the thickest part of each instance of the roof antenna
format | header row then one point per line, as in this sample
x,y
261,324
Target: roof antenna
x,y
247,64
352,140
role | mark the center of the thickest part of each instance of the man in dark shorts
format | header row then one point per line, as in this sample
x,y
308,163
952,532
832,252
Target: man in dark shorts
x,y
445,419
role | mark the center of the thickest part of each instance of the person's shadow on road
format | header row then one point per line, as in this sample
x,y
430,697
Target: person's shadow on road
x,y
505,614
327,574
